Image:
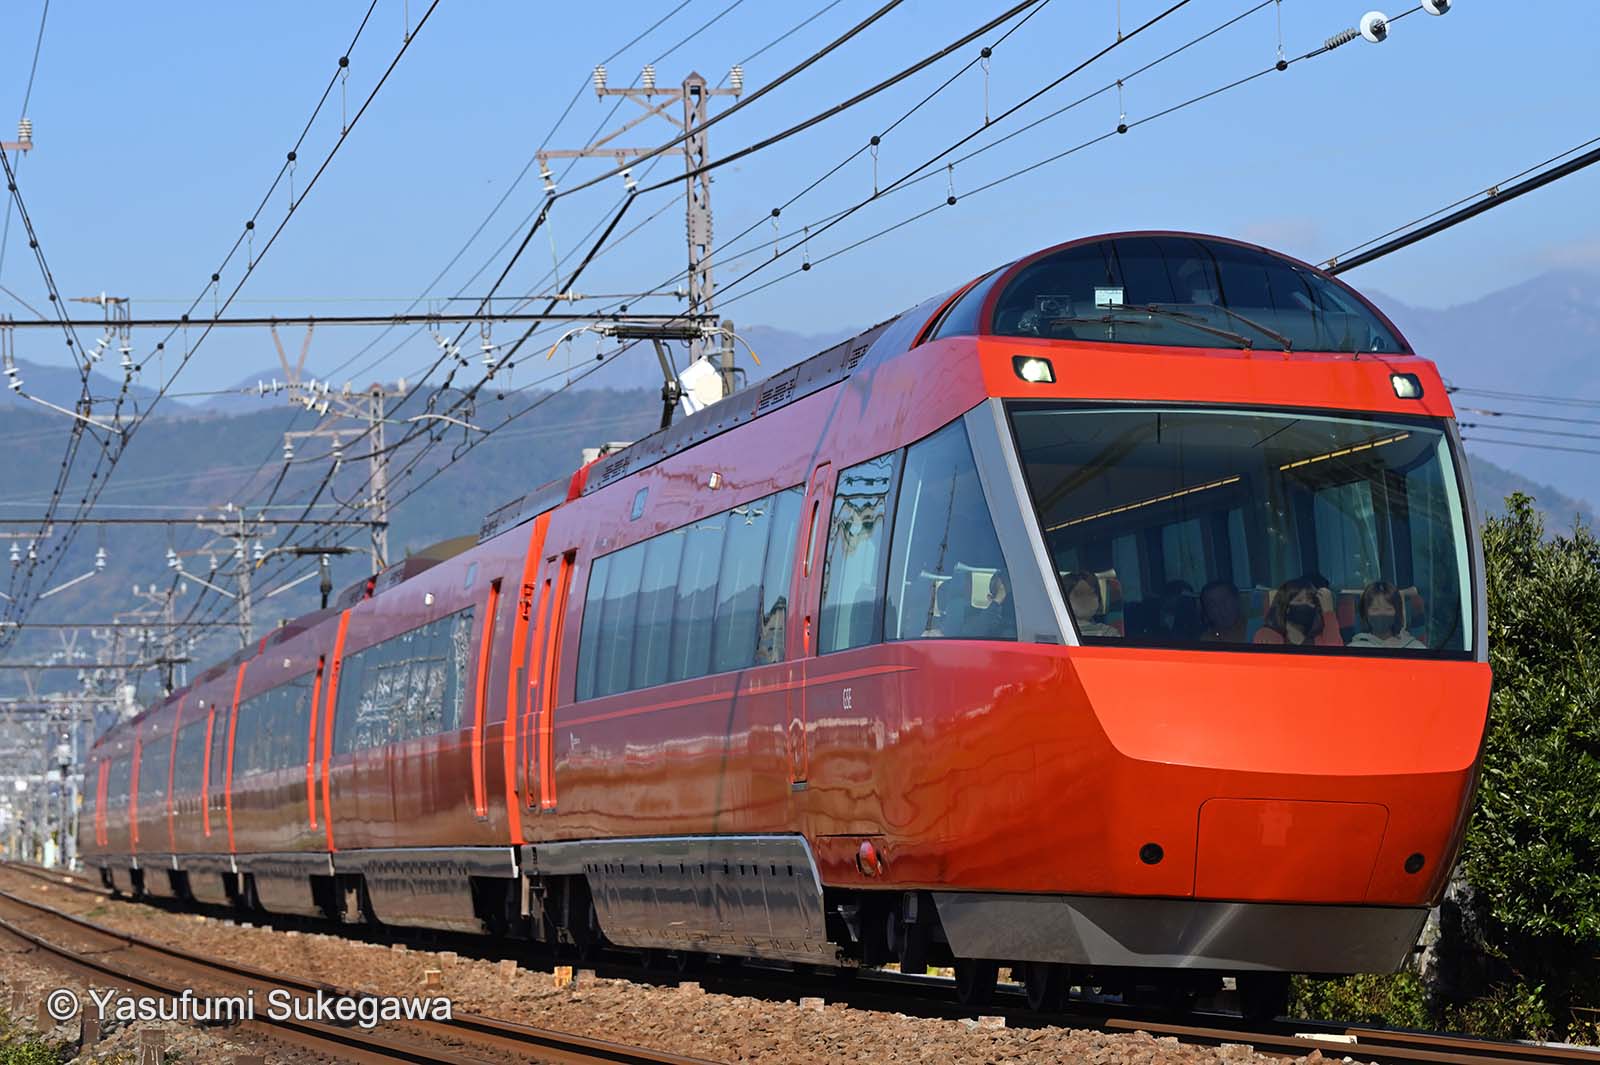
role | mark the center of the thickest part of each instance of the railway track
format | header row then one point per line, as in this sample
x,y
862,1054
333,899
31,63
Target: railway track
x,y
933,996
149,967
58,877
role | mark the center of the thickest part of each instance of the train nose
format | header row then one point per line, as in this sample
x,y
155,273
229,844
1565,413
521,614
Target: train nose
x,y
1253,849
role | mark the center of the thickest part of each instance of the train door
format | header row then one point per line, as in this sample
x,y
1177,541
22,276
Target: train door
x,y
813,547
102,836
133,789
172,776
514,730
311,745
555,581
480,702
227,779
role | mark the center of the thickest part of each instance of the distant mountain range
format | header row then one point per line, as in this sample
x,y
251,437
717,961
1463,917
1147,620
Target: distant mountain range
x,y
1539,338
1536,338
63,386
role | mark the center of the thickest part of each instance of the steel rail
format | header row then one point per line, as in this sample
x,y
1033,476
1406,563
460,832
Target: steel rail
x,y
934,996
487,1032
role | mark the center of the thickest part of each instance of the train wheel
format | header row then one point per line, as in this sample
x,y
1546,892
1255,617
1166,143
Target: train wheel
x,y
975,980
688,962
1263,996
1046,985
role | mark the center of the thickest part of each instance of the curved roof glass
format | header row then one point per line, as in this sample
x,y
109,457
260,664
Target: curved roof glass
x,y
1187,291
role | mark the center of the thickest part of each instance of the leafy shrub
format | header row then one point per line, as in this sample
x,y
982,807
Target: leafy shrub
x,y
1397,1000
1520,943
1532,852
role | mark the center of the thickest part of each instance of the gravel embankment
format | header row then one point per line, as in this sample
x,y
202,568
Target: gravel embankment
x,y
683,1019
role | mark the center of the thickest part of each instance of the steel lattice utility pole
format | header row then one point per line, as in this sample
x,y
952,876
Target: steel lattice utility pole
x,y
335,407
695,96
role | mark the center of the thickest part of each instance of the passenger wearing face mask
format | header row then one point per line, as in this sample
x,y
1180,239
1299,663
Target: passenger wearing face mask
x,y
1083,599
1381,612
1301,614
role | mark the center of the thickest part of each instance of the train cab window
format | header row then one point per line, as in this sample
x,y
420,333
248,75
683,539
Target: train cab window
x,y
945,573
1187,291
1252,529
853,568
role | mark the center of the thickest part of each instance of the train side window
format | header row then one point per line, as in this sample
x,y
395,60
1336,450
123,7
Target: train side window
x,y
219,744
739,586
419,662
245,754
352,672
428,668
121,777
695,608
372,707
779,572
961,320
153,762
589,634
191,757
853,568
658,593
618,614
455,678
946,577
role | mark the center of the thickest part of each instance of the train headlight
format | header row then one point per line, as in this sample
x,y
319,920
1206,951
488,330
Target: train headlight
x,y
1406,385
1034,370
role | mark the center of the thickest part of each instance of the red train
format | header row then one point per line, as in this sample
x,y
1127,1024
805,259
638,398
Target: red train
x,y
1116,616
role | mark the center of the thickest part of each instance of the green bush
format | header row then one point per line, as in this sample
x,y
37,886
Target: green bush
x,y
1532,852
18,1047
1518,947
1398,1000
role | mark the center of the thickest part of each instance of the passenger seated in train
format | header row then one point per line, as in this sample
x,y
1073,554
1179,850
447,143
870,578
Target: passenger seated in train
x,y
1221,620
1382,612
1083,598
996,621
1301,613
1179,613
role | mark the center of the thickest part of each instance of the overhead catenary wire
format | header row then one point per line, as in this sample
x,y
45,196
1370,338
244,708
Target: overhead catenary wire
x,y
505,197
1526,397
1488,200
551,198
1207,95
19,603
27,98
1280,65
926,212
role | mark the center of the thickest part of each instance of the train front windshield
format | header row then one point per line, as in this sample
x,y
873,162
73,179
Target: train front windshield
x,y
1237,529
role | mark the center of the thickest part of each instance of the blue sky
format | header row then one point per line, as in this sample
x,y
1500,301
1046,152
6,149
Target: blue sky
x,y
160,126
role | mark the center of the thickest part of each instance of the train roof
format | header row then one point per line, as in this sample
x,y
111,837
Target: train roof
x,y
829,367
